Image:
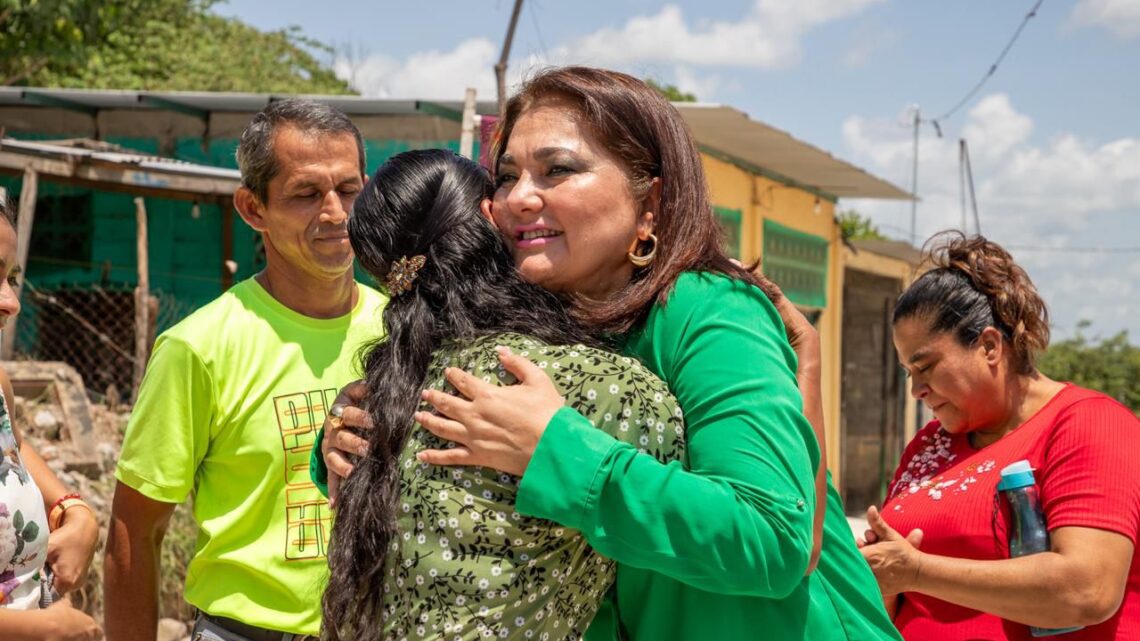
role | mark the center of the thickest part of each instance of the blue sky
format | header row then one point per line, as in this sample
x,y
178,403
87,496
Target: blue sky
x,y
1054,135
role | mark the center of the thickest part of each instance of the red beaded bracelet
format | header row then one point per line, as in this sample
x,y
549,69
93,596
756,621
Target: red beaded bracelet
x,y
61,505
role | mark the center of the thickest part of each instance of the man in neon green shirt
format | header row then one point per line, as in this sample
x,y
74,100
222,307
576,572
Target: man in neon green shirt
x,y
234,394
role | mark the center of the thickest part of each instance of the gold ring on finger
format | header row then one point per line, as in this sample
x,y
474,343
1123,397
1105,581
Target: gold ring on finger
x,y
336,415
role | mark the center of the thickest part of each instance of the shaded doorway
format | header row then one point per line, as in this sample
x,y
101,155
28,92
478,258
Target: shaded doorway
x,y
873,390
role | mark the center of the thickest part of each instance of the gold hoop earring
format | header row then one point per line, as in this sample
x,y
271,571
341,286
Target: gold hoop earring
x,y
644,260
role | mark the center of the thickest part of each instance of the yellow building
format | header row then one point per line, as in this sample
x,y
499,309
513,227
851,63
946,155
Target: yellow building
x,y
776,197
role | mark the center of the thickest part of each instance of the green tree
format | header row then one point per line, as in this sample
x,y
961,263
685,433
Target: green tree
x,y
1109,365
855,226
672,92
35,34
178,45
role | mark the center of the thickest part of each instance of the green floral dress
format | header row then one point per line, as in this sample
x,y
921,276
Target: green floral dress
x,y
466,564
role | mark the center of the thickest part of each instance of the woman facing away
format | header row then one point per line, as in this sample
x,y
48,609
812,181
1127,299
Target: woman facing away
x,y
968,332
601,197
39,525
426,552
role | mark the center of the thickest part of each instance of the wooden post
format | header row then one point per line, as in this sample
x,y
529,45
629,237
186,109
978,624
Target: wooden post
x,y
25,216
229,267
142,296
467,134
501,66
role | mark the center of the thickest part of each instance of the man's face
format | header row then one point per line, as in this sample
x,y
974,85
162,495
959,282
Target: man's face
x,y
304,219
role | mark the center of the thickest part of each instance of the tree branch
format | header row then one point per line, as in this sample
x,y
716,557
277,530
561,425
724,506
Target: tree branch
x,y
29,70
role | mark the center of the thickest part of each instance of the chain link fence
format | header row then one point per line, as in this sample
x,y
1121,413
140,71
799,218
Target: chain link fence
x,y
91,328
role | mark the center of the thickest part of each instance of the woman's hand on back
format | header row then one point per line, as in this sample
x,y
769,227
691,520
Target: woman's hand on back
x,y
492,426
341,442
802,335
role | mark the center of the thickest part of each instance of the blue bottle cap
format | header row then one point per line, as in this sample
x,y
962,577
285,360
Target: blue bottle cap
x,y
1015,475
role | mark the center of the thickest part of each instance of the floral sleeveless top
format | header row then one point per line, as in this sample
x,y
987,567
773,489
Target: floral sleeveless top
x,y
23,525
467,565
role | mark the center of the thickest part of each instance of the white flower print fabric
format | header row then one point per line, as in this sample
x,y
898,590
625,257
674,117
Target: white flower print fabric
x,y
23,525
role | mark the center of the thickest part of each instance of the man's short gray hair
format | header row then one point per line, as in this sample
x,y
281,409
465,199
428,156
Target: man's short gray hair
x,y
255,155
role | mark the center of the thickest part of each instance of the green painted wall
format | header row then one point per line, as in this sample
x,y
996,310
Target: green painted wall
x,y
185,250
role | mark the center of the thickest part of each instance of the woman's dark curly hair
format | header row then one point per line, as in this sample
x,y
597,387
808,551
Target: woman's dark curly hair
x,y
974,284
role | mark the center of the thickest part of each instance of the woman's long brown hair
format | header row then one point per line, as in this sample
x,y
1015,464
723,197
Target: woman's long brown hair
x,y
637,124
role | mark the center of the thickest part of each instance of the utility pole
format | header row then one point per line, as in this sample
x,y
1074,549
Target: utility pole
x,y
969,178
467,133
501,67
962,181
914,181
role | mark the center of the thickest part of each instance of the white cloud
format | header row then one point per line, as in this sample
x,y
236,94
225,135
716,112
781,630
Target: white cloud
x,y
439,75
1046,186
995,122
767,37
1121,17
867,40
704,86
1060,192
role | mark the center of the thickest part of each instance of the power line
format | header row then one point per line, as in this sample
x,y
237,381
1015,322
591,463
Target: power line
x,y
1076,250
993,68
936,122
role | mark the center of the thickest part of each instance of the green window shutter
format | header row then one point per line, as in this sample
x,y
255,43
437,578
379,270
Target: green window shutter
x,y
797,262
730,224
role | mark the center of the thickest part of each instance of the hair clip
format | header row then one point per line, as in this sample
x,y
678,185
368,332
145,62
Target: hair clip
x,y
402,273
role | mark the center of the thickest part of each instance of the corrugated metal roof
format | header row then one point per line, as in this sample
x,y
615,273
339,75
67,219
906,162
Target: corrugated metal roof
x,y
770,151
74,153
206,102
891,248
116,170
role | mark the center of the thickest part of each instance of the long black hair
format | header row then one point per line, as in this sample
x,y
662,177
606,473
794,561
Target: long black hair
x,y
419,203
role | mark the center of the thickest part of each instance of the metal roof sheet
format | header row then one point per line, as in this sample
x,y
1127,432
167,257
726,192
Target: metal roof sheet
x,y
770,151
892,248
205,101
141,161
116,170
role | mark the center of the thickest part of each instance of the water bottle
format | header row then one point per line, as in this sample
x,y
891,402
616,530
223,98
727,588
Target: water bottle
x,y
1027,532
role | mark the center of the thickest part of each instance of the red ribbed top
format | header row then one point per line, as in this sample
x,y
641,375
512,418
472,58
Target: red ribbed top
x,y
1085,450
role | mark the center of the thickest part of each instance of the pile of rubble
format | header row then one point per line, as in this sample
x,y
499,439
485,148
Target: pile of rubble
x,y
80,442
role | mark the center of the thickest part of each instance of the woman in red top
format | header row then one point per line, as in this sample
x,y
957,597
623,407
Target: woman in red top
x,y
967,332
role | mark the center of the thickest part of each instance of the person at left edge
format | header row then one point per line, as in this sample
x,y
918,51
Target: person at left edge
x,y
234,394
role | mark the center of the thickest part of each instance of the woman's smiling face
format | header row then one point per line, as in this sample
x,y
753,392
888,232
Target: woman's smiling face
x,y
566,205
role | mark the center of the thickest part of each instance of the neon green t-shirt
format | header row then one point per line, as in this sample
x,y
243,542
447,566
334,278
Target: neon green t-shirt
x,y
228,410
